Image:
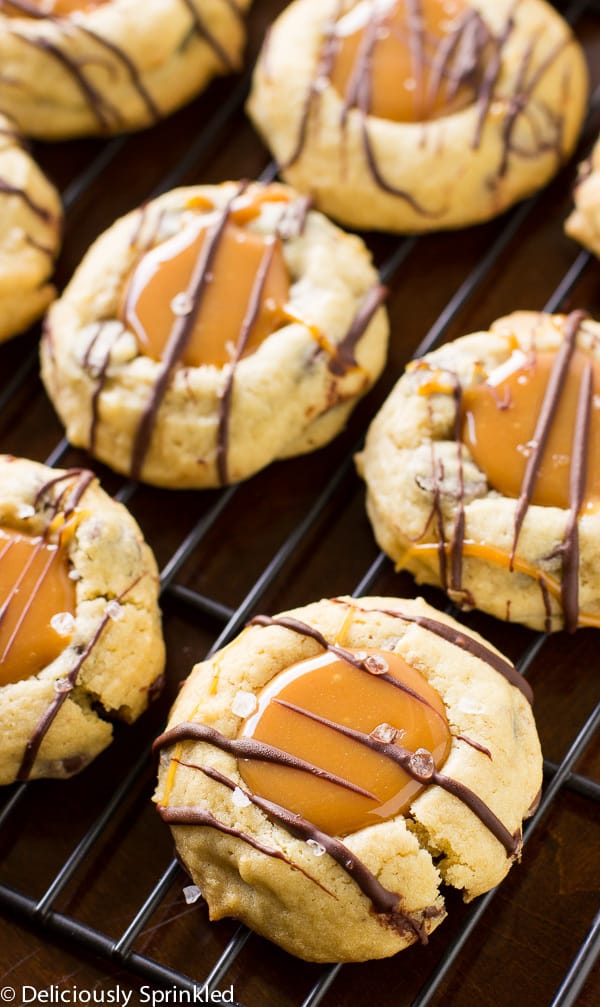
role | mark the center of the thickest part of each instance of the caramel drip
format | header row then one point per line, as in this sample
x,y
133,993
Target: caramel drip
x,y
464,66
307,710
180,334
545,419
406,62
248,327
34,588
485,815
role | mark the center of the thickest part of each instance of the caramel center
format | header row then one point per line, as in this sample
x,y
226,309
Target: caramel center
x,y
407,61
56,8
37,602
157,293
499,421
304,711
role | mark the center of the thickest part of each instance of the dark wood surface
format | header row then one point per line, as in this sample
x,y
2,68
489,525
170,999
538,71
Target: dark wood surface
x,y
525,941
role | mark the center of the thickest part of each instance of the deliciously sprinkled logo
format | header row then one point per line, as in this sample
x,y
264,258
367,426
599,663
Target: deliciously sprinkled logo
x,y
117,995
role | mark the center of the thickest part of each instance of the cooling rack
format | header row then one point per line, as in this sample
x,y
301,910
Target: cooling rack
x,y
90,895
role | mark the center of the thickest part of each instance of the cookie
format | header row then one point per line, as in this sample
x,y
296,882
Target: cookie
x,y
422,116
80,635
212,331
583,223
342,761
483,470
78,67
30,234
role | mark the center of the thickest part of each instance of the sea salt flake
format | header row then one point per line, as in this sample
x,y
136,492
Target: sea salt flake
x,y
74,574
114,611
376,665
386,733
422,764
317,848
63,623
25,510
361,655
62,685
182,303
191,894
240,799
244,703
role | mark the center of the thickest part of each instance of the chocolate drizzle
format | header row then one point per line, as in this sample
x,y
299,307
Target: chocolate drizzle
x,y
544,422
245,333
179,335
12,190
343,359
469,55
200,29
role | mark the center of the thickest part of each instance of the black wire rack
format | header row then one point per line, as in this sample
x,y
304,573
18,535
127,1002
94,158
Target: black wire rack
x,y
273,527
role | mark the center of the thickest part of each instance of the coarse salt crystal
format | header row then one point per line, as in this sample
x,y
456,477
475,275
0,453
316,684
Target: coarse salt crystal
x,y
244,703
376,665
114,611
191,894
386,733
25,510
63,623
62,685
240,799
182,303
317,848
74,574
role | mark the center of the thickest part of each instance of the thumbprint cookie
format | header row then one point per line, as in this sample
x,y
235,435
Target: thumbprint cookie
x,y
583,224
483,470
343,762
78,67
30,234
422,115
80,635
212,331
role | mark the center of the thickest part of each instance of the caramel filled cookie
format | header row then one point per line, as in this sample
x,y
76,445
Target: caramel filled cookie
x,y
80,636
30,233
341,762
584,222
419,116
212,331
483,470
78,67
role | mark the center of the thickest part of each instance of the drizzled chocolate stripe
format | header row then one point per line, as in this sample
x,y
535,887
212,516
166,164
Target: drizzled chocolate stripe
x,y
105,113
577,480
490,79
303,629
245,333
130,67
421,768
344,357
383,901
201,30
250,748
67,685
14,593
81,478
466,643
22,194
180,334
545,420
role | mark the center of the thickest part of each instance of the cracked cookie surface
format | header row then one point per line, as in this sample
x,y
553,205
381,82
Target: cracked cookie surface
x,y
410,118
30,234
107,66
511,528
81,638
290,877
146,375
